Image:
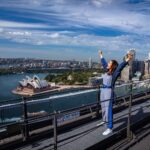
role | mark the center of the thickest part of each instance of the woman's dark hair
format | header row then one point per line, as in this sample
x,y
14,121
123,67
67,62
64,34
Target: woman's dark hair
x,y
114,66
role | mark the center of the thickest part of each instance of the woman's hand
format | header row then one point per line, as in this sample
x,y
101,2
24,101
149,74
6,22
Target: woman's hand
x,y
129,57
100,53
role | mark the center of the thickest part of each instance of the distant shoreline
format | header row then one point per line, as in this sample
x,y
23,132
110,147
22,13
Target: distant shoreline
x,y
58,89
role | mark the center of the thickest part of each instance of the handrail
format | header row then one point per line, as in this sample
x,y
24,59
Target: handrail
x,y
25,121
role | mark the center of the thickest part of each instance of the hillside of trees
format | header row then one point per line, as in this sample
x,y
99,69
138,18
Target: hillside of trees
x,y
73,77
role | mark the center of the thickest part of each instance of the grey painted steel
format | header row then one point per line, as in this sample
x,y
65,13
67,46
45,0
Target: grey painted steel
x,y
87,135
129,132
55,131
25,130
57,140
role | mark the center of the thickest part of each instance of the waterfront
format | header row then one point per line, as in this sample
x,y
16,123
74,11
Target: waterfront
x,y
46,103
57,101
10,82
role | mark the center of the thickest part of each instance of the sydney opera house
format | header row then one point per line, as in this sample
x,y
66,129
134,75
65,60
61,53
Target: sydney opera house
x,y
31,86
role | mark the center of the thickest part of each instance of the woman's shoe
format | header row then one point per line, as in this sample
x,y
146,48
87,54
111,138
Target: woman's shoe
x,y
107,131
101,123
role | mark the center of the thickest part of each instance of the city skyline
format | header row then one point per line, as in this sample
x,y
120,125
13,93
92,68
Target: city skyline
x,y
74,29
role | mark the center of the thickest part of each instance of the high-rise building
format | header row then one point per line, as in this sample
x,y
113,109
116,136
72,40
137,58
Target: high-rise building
x,y
138,66
128,72
90,62
147,67
125,74
148,56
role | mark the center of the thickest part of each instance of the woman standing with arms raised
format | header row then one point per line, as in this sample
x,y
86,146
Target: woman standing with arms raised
x,y
113,71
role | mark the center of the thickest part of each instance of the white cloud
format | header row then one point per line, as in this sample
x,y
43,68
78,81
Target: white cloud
x,y
81,14
54,35
11,24
99,3
117,43
1,29
64,21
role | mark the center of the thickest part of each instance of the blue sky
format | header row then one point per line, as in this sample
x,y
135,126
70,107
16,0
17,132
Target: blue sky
x,y
74,29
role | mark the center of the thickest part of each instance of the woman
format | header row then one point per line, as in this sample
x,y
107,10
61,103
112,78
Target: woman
x,y
113,70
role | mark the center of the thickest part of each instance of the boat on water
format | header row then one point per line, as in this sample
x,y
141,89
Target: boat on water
x,y
33,86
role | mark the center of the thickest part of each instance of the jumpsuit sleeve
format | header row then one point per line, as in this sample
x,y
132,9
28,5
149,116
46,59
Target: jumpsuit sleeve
x,y
118,71
104,63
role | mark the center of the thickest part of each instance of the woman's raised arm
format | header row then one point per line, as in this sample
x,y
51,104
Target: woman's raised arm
x,y
103,61
120,68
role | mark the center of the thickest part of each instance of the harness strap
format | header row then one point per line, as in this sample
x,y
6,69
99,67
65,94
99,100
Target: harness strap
x,y
106,86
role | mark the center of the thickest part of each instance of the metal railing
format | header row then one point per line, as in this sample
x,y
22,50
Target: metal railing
x,y
59,118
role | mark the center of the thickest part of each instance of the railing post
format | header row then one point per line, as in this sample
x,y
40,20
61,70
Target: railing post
x,y
25,120
129,132
98,101
55,131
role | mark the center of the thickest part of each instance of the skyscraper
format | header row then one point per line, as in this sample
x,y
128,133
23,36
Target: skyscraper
x,y
148,56
147,65
128,72
90,62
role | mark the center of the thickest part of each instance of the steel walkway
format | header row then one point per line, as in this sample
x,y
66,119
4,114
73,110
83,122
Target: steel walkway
x,y
88,135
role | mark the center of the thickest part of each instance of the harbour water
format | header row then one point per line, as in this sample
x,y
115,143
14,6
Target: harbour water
x,y
10,82
48,104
